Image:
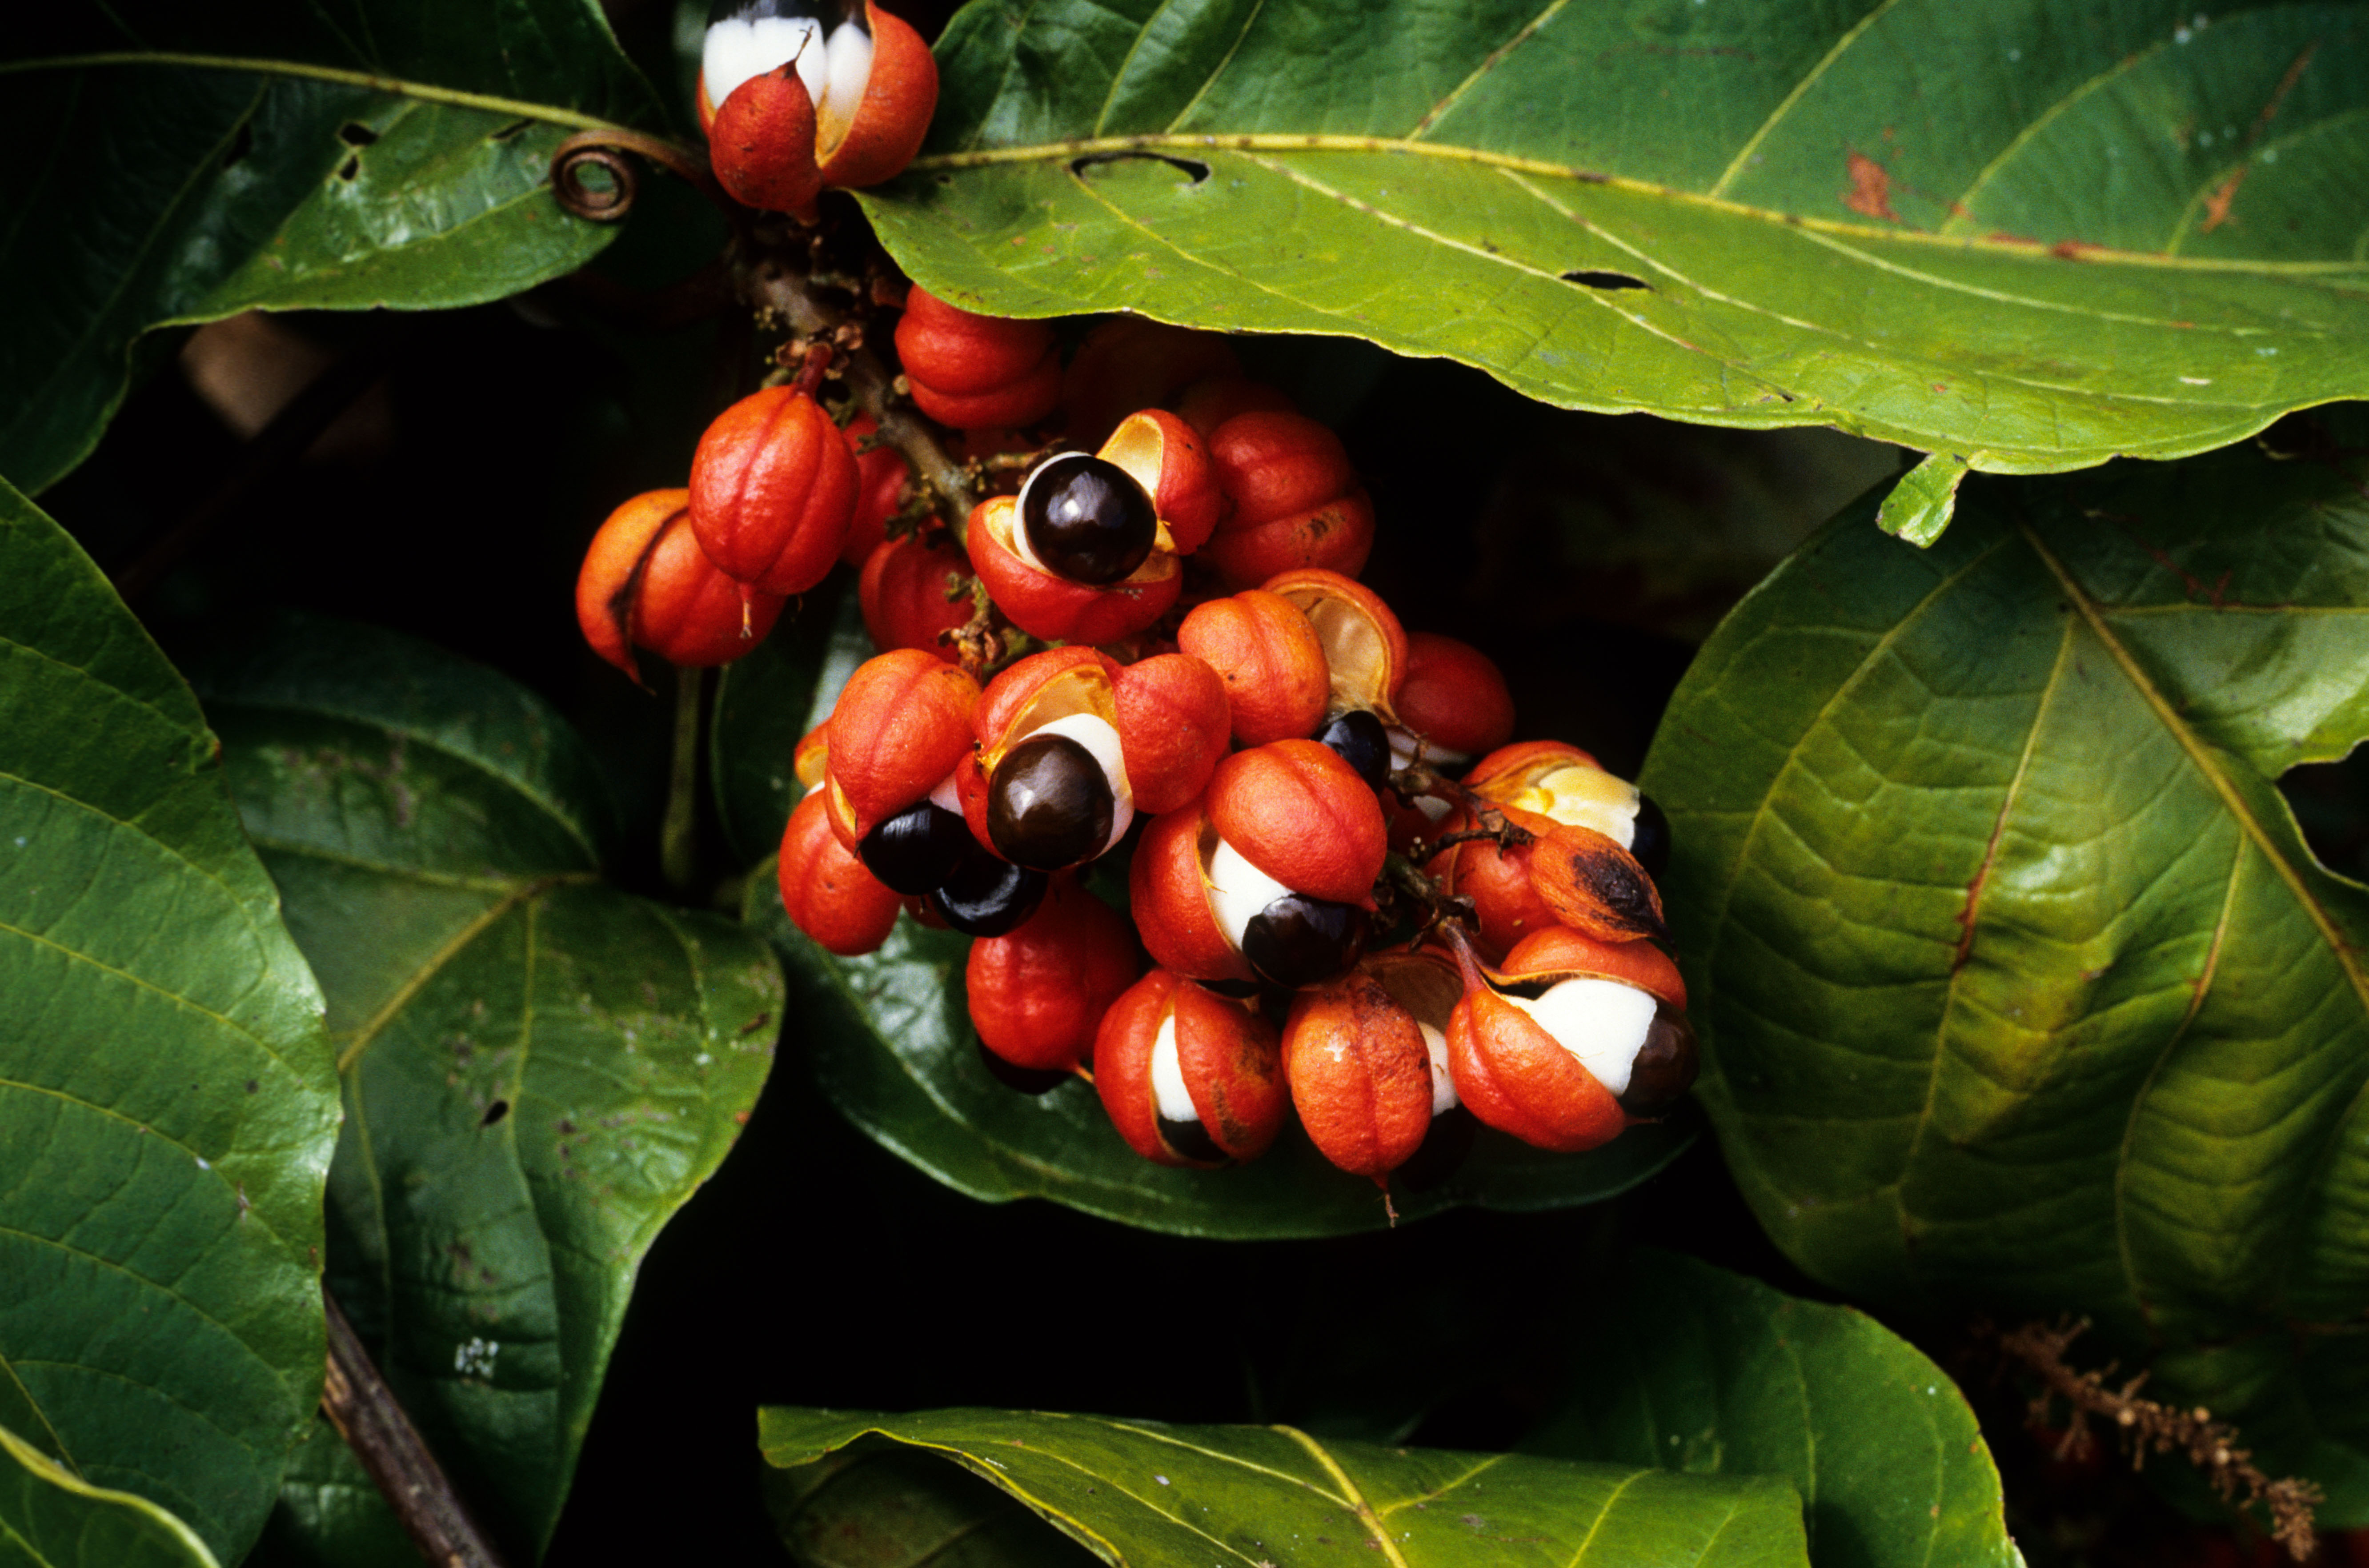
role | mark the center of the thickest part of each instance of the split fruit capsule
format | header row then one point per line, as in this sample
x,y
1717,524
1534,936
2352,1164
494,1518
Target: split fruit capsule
x,y
646,583
1564,785
972,372
1088,551
899,727
1570,1039
796,95
912,590
1365,1057
1292,499
772,491
1038,994
1270,878
1188,1077
827,891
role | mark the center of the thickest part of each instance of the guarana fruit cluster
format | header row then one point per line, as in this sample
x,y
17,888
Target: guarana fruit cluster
x,y
1349,895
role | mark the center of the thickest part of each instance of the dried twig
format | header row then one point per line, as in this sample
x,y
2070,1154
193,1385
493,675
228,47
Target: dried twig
x,y
2210,1445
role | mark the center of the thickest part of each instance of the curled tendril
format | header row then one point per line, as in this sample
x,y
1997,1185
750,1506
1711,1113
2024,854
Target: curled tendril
x,y
606,149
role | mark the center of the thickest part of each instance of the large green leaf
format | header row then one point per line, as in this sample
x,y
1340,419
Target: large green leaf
x,y
1156,1496
49,1517
875,1505
888,1039
167,1105
539,1069
175,164
2018,986
1690,1368
2034,233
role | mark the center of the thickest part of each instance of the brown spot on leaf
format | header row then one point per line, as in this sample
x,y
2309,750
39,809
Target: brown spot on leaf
x,y
1870,187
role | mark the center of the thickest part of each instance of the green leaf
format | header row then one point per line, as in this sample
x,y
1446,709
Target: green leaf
x,y
331,1514
1920,505
166,1099
49,1517
2018,989
1150,1495
875,1505
2040,232
177,164
889,1039
1691,1367
539,1069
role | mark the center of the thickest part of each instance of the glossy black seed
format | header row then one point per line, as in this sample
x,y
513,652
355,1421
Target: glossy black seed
x,y
1441,1153
1650,843
912,852
1665,1068
1049,803
1028,1079
1086,519
1235,991
1359,740
987,897
1299,941
1189,1140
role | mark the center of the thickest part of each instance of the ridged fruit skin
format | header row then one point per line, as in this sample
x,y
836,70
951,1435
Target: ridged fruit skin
x,y
1173,718
881,475
1211,401
1292,499
645,583
1365,646
1565,954
971,372
1300,814
1268,656
1508,770
1497,881
1038,994
1512,1075
1594,885
773,490
1359,1073
1130,362
903,595
1454,695
1169,897
1167,457
826,891
1055,608
1231,1057
894,117
901,723
761,144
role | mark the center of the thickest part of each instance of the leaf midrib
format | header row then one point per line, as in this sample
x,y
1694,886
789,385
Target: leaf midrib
x,y
1290,141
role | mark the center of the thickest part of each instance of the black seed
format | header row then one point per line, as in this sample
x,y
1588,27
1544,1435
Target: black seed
x,y
1442,1152
1028,1079
1665,1068
1087,520
987,897
1299,941
1360,742
1650,841
1236,991
913,851
1189,1140
1049,803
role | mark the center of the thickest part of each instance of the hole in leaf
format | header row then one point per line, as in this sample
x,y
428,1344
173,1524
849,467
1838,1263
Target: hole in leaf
x,y
513,129
1589,278
2330,802
355,135
242,142
351,167
495,1113
1193,168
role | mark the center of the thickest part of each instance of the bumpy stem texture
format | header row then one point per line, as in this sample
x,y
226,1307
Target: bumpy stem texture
x,y
363,1409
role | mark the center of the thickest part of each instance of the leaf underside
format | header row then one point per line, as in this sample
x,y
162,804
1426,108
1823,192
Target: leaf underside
x,y
538,1069
1156,1496
2020,990
2032,234
167,1103
52,1519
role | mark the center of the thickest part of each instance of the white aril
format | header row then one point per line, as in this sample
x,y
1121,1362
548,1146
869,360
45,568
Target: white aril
x,y
1602,1023
834,70
1442,1087
1101,742
1585,798
1239,890
945,797
1168,1075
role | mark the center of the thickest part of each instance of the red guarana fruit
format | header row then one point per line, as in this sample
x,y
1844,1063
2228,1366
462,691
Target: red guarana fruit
x,y
1295,501
793,103
1267,655
1038,994
826,891
1366,1058
772,491
901,723
1189,1078
645,583
903,594
970,372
